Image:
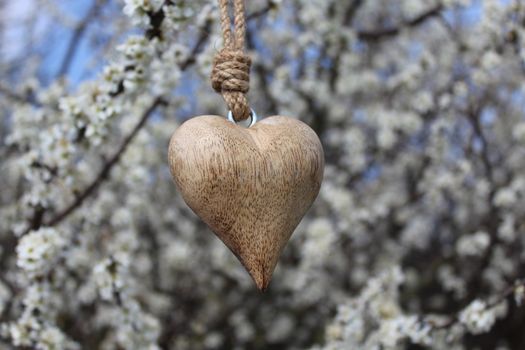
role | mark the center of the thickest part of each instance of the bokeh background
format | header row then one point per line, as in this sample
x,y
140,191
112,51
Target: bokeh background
x,y
416,240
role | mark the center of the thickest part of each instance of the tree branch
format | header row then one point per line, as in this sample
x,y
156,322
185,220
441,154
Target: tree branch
x,y
348,18
374,35
507,292
104,173
261,12
28,98
77,35
474,119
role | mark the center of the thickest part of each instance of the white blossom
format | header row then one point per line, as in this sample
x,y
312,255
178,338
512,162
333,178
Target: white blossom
x,y
478,317
39,250
139,10
474,244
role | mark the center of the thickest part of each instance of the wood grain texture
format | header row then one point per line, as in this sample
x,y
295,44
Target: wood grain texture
x,y
251,186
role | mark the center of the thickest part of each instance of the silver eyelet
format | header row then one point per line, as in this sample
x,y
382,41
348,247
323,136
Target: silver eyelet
x,y
253,118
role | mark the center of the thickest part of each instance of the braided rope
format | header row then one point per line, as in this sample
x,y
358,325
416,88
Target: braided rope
x,y
230,74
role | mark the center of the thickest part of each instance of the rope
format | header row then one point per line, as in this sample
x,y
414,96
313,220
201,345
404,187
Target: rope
x,y
230,74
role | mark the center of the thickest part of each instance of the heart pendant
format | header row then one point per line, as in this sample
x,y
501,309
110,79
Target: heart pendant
x,y
251,186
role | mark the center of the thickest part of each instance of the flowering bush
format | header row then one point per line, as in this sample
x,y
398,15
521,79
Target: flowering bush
x,y
416,240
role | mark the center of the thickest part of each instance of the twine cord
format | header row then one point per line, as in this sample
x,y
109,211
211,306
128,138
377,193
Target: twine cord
x,y
230,74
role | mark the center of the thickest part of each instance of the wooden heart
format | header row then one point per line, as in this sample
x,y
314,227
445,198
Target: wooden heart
x,y
251,186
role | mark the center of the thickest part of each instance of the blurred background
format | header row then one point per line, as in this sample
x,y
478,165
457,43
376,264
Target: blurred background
x,y
416,240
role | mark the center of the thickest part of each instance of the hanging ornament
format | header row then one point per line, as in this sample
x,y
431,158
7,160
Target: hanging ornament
x,y
251,185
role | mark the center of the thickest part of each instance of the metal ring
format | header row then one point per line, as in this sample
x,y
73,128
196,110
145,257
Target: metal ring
x,y
253,118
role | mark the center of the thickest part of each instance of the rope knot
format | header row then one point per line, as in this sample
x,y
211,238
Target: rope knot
x,y
231,72
230,77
